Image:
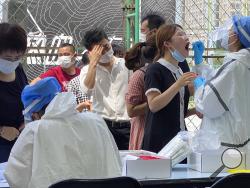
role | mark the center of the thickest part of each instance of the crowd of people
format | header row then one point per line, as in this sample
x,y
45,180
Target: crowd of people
x,y
71,121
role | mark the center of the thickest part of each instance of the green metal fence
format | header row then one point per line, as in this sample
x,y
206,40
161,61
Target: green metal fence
x,y
132,15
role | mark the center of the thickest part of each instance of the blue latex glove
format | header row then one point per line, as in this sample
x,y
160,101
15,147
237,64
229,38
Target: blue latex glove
x,y
199,81
198,48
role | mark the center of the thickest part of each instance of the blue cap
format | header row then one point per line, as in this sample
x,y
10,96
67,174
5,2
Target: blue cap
x,y
35,97
242,29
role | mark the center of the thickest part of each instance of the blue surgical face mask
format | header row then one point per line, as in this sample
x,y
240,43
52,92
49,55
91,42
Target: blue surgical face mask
x,y
177,56
8,67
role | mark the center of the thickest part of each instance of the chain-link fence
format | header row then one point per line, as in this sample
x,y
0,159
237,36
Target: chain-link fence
x,y
52,22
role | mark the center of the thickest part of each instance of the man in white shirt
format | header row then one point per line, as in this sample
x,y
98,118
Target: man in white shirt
x,y
63,144
106,78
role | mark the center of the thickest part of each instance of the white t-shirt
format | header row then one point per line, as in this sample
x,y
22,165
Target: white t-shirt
x,y
109,90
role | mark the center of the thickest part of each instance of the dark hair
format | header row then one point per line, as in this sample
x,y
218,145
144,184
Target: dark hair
x,y
93,37
150,50
140,53
12,38
85,58
118,50
154,21
68,45
164,33
40,113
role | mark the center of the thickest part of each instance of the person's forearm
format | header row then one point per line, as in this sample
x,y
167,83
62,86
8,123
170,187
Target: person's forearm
x,y
89,81
138,110
163,99
35,81
80,107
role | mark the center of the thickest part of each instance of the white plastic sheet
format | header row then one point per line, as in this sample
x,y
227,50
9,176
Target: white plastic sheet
x,y
178,148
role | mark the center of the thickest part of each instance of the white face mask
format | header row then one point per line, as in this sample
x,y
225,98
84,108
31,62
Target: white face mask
x,y
224,41
107,57
65,61
8,67
142,37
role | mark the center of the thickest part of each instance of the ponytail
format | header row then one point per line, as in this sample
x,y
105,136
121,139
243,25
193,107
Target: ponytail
x,y
133,57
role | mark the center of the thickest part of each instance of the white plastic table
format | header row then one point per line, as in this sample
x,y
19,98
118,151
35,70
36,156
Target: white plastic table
x,y
181,176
